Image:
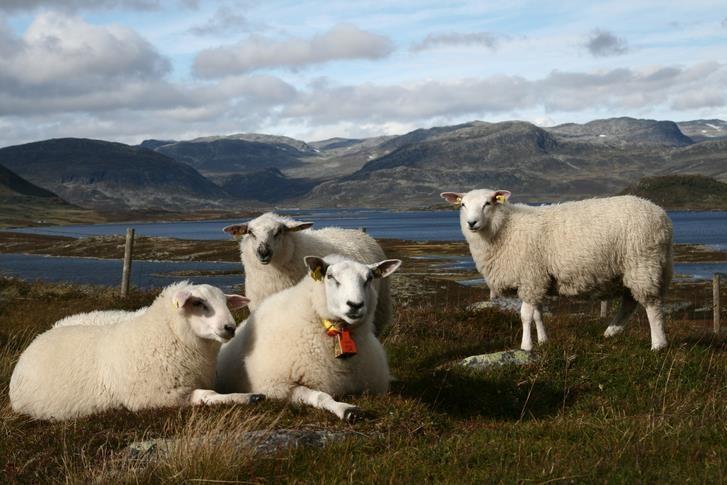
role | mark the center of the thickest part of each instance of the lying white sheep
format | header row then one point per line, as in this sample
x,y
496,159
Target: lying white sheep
x,y
165,356
106,317
272,248
616,246
287,348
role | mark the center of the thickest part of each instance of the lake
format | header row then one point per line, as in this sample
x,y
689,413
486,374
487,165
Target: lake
x,y
709,228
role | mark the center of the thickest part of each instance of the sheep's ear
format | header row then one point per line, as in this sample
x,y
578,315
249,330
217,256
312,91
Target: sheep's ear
x,y
316,267
385,267
235,302
181,297
501,196
295,226
454,198
236,230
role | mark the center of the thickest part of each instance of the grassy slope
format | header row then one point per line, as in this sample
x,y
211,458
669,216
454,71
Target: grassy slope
x,y
685,192
589,410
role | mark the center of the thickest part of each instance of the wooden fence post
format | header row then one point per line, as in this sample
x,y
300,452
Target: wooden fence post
x,y
128,250
715,302
604,308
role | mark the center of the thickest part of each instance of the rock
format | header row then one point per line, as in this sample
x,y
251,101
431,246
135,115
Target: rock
x,y
497,359
265,442
501,303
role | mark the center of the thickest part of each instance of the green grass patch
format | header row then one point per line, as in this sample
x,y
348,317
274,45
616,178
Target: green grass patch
x,y
587,410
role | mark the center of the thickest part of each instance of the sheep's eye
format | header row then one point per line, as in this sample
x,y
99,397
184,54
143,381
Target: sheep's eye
x,y
368,280
462,205
486,204
330,277
251,234
199,304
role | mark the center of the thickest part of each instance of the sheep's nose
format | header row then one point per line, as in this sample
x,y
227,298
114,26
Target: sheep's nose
x,y
355,306
230,329
264,253
472,224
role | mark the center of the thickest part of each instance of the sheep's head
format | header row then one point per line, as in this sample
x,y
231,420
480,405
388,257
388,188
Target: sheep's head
x,y
476,207
350,296
207,310
264,237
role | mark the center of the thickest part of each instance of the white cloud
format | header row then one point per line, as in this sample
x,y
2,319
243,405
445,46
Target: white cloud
x,y
60,54
602,43
344,41
225,20
433,41
26,5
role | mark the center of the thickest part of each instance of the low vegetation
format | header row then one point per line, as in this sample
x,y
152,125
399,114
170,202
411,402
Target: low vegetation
x,y
587,410
682,192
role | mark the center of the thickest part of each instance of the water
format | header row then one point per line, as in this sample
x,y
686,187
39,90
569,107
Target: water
x,y
708,228
107,272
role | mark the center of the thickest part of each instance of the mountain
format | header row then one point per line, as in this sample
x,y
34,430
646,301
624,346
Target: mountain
x,y
561,163
625,131
269,186
22,201
682,192
537,164
111,176
701,130
230,155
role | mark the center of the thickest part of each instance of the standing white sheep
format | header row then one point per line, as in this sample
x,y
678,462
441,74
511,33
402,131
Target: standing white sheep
x,y
288,347
615,246
272,248
166,356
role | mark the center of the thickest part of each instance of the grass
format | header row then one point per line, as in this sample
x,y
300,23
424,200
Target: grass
x,y
588,410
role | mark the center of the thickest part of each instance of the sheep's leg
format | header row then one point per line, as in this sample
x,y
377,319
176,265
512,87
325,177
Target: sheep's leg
x,y
539,327
321,400
616,325
656,322
208,397
526,314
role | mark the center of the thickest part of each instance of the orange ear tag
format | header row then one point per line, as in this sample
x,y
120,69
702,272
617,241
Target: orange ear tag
x,y
345,345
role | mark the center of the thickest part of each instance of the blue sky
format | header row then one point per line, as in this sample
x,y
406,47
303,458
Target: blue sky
x,y
128,70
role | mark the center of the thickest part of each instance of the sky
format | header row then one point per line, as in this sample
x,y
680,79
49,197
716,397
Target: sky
x,y
129,70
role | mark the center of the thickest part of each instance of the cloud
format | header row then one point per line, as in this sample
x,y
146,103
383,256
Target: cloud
x,y
602,43
433,41
344,41
724,23
226,20
72,5
63,55
620,90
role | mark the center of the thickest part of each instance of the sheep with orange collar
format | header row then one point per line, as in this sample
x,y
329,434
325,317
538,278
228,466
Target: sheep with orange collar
x,y
165,356
313,342
272,248
609,247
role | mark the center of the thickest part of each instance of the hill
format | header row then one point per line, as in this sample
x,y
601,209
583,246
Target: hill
x,y
694,192
624,131
22,201
111,176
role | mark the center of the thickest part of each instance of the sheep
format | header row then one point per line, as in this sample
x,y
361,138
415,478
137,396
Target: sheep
x,y
165,356
272,248
295,345
609,247
99,317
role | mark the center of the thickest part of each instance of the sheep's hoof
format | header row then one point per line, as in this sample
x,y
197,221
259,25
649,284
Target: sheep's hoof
x,y
256,398
353,415
658,347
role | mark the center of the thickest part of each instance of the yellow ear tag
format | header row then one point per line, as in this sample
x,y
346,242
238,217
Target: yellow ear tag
x,y
501,199
459,202
316,275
